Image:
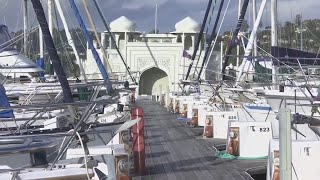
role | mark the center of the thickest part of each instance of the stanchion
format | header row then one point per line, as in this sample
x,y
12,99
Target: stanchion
x,y
138,141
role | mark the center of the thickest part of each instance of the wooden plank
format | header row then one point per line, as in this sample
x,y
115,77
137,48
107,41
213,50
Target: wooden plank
x,y
176,151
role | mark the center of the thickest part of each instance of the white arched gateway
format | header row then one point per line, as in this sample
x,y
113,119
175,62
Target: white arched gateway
x,y
153,81
156,60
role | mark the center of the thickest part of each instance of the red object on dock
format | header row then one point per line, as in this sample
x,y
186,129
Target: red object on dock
x,y
138,140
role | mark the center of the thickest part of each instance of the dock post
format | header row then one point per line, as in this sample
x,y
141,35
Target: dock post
x,y
285,144
138,140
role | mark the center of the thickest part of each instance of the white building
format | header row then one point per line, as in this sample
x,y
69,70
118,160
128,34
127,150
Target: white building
x,y
155,60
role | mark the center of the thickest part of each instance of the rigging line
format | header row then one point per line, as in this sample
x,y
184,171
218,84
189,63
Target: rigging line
x,y
273,56
222,20
96,35
204,38
113,40
95,54
198,40
62,42
211,38
74,29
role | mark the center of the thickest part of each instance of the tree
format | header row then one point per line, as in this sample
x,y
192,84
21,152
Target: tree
x,y
244,26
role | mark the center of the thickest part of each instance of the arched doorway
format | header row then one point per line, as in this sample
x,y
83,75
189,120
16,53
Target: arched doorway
x,y
153,81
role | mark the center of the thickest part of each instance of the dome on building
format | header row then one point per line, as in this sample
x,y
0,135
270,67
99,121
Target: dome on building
x,y
122,24
187,25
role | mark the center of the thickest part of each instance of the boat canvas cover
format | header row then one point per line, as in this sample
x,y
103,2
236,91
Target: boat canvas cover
x,y
290,56
4,102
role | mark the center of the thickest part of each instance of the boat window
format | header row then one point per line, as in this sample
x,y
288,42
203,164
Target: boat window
x,y
24,79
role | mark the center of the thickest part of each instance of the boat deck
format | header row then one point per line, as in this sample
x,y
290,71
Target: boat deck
x,y
176,151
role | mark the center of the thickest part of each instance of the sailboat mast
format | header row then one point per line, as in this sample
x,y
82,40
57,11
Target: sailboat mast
x,y
274,33
238,46
56,62
254,16
41,43
50,21
196,47
274,22
25,27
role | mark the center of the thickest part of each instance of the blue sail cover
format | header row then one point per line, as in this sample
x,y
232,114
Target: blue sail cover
x,y
96,56
4,102
291,56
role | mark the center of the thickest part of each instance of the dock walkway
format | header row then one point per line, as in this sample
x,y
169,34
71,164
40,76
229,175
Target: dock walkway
x,y
174,151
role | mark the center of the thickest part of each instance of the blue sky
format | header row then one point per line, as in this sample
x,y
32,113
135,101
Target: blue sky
x,y
169,12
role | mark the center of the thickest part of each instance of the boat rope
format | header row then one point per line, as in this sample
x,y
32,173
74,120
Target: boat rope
x,y
104,54
84,154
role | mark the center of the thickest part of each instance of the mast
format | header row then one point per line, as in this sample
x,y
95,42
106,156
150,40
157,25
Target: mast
x,y
254,16
50,3
25,27
238,46
274,34
38,9
70,40
96,56
235,34
41,43
245,62
274,22
213,33
199,38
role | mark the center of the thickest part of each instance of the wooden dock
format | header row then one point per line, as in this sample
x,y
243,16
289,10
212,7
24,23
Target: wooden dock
x,y
175,151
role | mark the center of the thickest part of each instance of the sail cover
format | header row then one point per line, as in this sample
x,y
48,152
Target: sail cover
x,y
4,102
293,57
